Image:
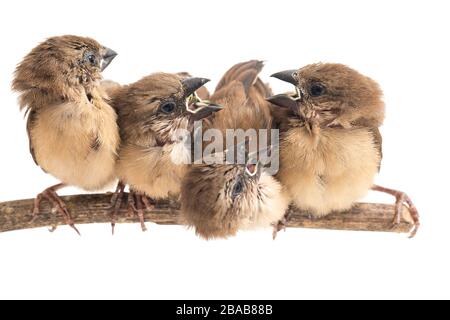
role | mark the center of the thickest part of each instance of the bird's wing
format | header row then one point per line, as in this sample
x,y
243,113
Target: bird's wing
x,y
243,96
263,88
30,122
378,140
244,72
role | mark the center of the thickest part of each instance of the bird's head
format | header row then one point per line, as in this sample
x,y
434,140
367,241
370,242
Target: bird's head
x,y
218,200
156,106
333,94
59,64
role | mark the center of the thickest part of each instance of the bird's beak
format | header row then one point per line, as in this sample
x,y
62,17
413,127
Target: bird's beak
x,y
284,101
198,108
108,56
287,76
190,85
253,169
201,109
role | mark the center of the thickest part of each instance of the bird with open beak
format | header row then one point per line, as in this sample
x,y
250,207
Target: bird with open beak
x,y
153,157
110,87
219,199
72,130
330,148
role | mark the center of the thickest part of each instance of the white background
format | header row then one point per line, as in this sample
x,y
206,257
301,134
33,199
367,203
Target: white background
x,y
401,44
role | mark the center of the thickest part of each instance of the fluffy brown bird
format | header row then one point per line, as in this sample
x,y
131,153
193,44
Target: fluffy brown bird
x,y
153,156
71,127
220,199
330,148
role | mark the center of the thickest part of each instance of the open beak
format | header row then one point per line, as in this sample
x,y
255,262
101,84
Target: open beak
x,y
204,111
201,109
284,101
253,169
190,85
108,56
198,108
287,76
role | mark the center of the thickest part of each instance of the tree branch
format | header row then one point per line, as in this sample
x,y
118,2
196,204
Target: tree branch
x,y
94,208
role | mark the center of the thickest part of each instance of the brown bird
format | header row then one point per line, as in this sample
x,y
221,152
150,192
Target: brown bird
x,y
71,127
330,148
220,199
153,157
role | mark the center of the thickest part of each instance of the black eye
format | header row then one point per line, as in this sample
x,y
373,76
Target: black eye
x,y
316,90
91,59
237,188
168,107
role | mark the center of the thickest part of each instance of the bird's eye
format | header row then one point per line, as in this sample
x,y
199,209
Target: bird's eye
x,y
91,59
238,188
168,107
316,90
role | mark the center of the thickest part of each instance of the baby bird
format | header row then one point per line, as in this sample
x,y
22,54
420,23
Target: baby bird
x,y
71,127
220,199
330,148
152,156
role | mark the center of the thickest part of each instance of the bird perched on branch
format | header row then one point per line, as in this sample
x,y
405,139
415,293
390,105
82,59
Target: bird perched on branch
x,y
330,148
153,157
71,127
220,199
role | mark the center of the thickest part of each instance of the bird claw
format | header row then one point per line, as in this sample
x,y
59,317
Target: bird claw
x,y
137,203
116,202
280,225
58,206
401,200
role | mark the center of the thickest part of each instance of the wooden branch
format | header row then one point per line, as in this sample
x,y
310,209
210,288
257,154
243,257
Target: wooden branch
x,y
94,208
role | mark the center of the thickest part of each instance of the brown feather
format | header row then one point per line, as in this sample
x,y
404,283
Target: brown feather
x,y
330,149
66,108
378,140
207,202
150,156
30,123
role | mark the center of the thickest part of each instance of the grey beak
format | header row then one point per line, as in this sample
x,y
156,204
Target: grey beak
x,y
204,111
190,85
107,58
287,76
284,101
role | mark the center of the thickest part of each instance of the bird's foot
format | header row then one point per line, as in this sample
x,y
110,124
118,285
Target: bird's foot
x,y
57,204
402,199
116,202
280,225
137,203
